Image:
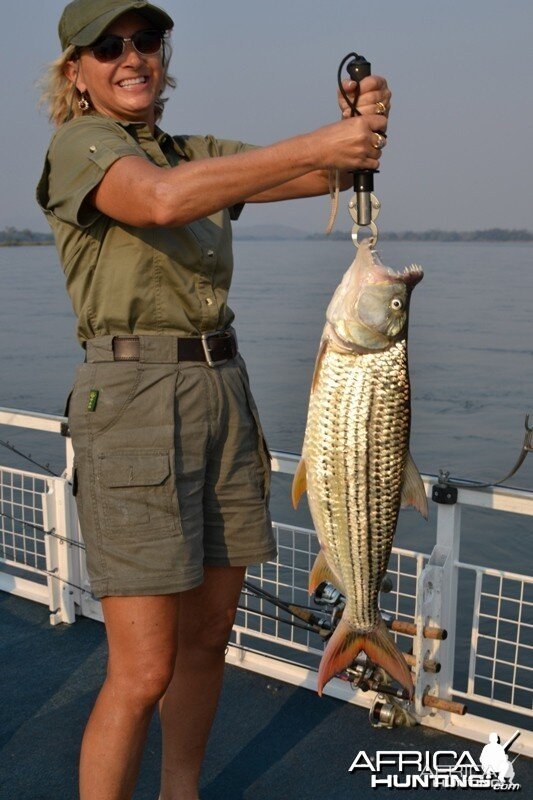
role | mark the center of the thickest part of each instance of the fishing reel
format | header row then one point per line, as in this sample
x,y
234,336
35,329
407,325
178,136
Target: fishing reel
x,y
328,595
362,674
390,707
388,712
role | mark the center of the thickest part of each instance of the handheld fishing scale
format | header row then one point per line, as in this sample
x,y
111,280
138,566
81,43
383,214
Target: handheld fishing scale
x,y
364,207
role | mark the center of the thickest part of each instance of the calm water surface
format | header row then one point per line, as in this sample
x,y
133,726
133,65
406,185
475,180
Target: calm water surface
x,y
471,360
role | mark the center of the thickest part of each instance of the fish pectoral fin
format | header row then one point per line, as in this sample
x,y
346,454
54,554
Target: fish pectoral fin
x,y
320,356
321,572
413,491
299,483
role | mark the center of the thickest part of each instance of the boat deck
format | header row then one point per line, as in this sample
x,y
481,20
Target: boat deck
x,y
270,740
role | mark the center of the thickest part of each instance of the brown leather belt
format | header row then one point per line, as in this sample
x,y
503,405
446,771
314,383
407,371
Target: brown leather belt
x,y
211,348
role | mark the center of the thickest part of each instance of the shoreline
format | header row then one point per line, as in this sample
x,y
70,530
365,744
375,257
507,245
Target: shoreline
x,y
9,238
26,244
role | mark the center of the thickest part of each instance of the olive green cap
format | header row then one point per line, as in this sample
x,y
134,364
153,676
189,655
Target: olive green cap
x,y
83,21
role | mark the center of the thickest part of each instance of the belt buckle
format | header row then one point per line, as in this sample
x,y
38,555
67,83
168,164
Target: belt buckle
x,y
204,337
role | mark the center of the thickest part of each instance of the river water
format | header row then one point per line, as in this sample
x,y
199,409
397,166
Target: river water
x,y
471,361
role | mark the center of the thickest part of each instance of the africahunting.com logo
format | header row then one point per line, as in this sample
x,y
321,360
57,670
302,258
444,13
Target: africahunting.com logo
x,y
443,769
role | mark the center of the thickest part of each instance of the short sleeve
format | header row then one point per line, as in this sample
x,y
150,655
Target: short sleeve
x,y
212,147
78,157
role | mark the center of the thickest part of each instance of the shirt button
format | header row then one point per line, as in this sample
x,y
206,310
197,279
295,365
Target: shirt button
x,y
210,253
92,149
208,301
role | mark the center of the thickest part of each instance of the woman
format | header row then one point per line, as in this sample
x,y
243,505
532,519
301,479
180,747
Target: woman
x,y
172,472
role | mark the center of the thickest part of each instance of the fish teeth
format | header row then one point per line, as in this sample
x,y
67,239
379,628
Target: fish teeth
x,y
414,269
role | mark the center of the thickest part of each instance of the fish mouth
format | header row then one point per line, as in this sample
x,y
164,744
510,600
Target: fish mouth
x,y
412,275
409,275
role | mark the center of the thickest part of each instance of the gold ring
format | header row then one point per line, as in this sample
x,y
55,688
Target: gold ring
x,y
381,108
381,142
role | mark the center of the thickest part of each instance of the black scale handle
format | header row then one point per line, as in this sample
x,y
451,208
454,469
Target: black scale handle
x,y
363,180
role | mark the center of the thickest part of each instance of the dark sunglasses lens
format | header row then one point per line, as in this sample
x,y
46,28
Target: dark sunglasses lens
x,y
108,48
147,42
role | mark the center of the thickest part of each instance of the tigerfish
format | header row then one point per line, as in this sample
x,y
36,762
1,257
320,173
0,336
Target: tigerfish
x,y
356,465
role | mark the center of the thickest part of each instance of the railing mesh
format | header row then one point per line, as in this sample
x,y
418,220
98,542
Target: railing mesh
x,y
21,520
502,642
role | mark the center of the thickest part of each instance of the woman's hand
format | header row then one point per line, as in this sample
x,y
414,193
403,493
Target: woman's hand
x,y
350,144
373,90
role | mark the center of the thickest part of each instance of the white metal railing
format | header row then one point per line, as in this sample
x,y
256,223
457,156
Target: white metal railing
x,y
42,558
501,651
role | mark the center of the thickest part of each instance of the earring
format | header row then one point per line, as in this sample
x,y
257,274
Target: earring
x,y
83,103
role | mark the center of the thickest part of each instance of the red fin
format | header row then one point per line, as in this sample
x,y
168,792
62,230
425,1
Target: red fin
x,y
299,483
322,572
346,644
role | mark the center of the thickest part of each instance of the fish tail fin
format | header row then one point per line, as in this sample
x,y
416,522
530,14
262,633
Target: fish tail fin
x,y
346,644
342,648
381,648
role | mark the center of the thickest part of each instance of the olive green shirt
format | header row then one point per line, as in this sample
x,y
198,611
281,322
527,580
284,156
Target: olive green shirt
x,y
128,280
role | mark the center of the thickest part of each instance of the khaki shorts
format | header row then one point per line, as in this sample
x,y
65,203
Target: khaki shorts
x,y
171,469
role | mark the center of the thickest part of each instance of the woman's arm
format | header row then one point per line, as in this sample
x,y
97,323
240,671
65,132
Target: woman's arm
x,y
310,185
137,192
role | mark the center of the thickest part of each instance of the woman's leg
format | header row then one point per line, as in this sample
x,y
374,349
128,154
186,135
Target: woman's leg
x,y
142,635
188,707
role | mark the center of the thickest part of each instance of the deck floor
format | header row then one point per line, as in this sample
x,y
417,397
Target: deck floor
x,y
270,740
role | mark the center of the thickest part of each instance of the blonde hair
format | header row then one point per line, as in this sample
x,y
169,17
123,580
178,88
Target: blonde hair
x,y
60,96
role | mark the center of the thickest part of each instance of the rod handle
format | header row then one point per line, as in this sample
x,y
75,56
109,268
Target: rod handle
x,y
430,701
409,628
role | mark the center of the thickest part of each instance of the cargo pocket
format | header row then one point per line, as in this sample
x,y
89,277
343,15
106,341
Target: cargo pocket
x,y
136,492
266,458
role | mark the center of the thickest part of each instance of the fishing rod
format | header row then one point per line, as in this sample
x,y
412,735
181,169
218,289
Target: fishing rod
x,y
45,467
391,705
445,490
309,619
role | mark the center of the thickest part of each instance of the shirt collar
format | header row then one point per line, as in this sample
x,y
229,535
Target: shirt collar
x,y
140,130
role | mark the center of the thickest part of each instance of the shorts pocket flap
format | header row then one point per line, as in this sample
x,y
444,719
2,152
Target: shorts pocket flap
x,y
134,468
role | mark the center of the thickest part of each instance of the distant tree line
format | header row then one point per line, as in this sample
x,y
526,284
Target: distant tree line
x,y
13,237
434,235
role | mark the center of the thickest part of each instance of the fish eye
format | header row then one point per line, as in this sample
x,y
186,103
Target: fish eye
x,y
396,303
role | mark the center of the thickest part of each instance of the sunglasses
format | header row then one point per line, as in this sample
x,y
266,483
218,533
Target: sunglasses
x,y
110,46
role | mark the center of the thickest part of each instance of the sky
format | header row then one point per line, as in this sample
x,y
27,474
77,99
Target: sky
x,y
458,153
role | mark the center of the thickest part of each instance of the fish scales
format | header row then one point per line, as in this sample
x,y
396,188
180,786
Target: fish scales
x,y
355,448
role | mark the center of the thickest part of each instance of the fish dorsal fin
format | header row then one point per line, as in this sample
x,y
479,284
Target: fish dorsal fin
x,y
299,483
413,491
322,572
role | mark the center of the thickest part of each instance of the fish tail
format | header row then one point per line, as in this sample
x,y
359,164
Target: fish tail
x,y
346,644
